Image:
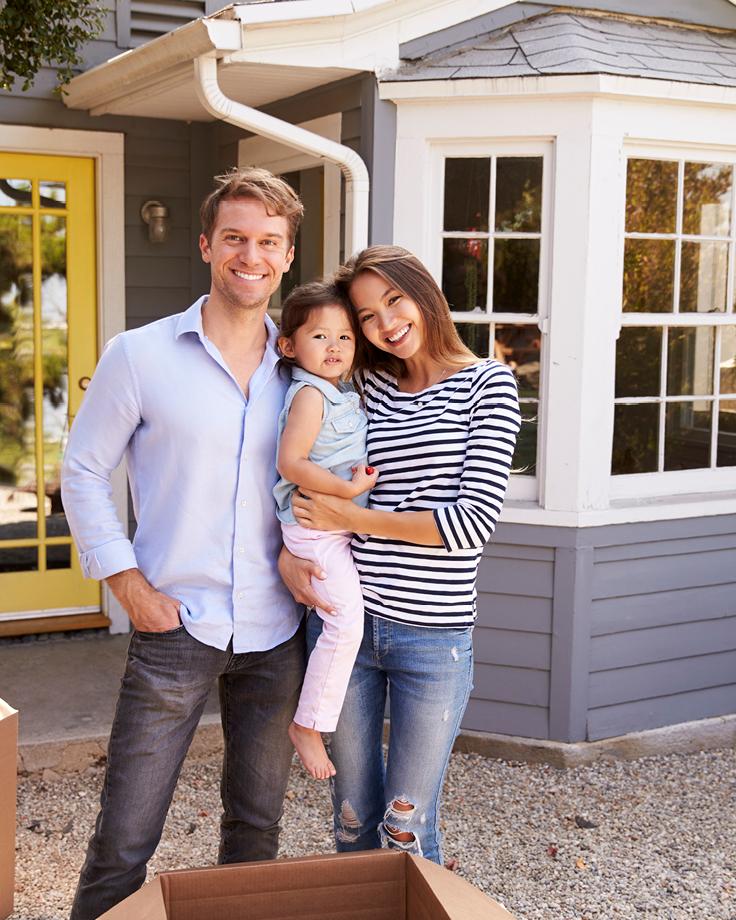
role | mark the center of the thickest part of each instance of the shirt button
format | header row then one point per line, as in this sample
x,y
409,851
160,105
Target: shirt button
x,y
241,594
241,550
243,503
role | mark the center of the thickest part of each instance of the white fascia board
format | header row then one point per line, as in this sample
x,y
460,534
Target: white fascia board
x,y
142,66
417,17
562,85
360,35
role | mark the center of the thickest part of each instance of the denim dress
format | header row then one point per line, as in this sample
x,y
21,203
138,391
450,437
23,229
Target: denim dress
x,y
340,444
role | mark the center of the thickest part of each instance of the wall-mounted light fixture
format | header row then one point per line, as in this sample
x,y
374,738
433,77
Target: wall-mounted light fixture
x,y
156,215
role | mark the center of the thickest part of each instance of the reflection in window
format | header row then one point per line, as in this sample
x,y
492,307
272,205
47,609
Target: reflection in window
x,y
53,194
15,193
673,372
465,275
54,356
492,276
18,501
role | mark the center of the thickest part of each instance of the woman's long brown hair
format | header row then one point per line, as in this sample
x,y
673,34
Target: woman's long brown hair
x,y
404,272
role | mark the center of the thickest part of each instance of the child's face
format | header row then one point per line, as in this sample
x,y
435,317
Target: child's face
x,y
324,345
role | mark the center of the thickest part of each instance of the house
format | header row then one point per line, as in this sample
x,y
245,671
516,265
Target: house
x,y
567,173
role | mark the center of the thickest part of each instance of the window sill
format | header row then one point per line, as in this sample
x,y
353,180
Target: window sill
x,y
623,511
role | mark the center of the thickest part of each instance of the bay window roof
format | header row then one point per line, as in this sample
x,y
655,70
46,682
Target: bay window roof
x,y
584,43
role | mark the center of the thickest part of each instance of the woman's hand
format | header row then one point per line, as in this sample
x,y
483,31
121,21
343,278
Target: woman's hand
x,y
297,575
323,512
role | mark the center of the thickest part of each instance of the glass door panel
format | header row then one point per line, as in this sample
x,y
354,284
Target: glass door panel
x,y
47,351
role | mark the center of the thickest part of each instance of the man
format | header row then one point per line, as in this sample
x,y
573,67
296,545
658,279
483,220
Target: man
x,y
192,401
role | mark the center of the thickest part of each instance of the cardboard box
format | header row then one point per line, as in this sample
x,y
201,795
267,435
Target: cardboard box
x,y
377,885
8,785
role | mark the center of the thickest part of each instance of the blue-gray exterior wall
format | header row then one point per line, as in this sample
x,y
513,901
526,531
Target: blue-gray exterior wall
x,y
591,633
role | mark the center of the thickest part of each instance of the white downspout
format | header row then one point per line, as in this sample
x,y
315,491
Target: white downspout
x,y
357,182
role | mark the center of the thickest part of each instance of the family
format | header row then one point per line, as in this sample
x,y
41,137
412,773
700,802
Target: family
x,y
353,461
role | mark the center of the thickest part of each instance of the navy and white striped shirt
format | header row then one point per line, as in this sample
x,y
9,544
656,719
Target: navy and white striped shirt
x,y
446,449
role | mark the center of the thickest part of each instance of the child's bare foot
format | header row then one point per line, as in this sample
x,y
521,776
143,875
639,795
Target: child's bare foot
x,y
311,750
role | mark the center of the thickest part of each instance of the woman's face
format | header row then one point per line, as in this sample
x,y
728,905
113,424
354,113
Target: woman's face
x,y
388,319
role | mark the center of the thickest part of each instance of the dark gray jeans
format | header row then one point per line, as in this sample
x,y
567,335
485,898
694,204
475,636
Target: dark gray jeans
x,y
167,679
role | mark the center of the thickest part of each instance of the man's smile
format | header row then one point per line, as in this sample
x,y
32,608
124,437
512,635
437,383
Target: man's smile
x,y
248,276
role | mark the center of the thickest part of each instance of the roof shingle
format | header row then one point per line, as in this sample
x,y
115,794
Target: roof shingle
x,y
576,43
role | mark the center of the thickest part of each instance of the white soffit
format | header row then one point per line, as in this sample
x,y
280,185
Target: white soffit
x,y
267,52
254,85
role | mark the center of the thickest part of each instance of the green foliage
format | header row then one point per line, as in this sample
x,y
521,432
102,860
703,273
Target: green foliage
x,y
39,33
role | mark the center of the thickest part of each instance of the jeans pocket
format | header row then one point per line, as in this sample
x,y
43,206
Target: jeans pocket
x,y
163,633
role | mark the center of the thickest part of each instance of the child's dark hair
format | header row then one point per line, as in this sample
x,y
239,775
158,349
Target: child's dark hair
x,y
297,307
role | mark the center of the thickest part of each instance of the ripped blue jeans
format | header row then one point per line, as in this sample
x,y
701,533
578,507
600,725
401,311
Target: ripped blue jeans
x,y
428,675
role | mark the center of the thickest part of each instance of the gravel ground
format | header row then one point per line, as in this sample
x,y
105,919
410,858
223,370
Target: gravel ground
x,y
644,839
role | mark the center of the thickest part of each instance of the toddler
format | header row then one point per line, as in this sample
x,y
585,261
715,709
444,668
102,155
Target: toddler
x,y
322,436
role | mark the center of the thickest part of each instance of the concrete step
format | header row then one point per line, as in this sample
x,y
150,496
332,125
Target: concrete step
x,y
65,690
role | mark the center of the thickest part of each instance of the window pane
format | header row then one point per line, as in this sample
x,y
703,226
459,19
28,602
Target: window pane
x,y
690,361
15,192
518,346
703,277
53,194
476,336
707,202
59,557
55,365
465,274
638,361
525,454
467,187
727,433
635,435
728,359
687,435
649,268
516,276
651,196
17,417
18,559
519,194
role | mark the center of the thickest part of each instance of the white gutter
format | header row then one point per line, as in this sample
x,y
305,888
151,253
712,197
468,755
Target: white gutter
x,y
357,182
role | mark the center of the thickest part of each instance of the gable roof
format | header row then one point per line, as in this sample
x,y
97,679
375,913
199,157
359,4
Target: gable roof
x,y
582,43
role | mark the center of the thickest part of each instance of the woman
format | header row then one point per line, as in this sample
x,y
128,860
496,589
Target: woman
x,y
442,428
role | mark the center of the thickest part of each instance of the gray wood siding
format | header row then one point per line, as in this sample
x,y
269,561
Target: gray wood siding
x,y
663,627
586,634
513,641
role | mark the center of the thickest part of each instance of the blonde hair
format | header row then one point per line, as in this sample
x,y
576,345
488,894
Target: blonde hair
x,y
403,271
276,195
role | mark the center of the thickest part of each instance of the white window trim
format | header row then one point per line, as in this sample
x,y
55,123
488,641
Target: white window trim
x,y
521,488
107,150
279,159
674,483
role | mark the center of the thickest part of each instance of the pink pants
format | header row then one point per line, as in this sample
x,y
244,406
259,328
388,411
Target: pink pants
x,y
333,657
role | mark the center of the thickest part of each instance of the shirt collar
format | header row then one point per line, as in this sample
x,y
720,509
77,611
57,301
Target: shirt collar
x,y
191,321
335,395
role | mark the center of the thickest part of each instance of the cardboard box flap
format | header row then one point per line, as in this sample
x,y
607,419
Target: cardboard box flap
x,y
309,887
6,710
8,776
433,893
146,904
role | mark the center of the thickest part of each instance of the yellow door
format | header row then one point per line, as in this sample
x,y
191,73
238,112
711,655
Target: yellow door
x,y
48,350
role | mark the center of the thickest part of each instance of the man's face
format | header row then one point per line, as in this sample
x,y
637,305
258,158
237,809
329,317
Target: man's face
x,y
248,253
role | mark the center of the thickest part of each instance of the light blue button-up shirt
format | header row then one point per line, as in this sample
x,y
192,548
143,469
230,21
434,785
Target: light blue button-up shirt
x,y
200,460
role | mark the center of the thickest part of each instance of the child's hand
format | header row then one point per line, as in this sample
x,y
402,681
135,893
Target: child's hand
x,y
364,478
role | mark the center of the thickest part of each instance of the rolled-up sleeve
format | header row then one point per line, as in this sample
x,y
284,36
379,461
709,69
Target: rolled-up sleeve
x,y
106,421
495,419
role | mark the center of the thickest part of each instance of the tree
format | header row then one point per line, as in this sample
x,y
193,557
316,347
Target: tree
x,y
39,33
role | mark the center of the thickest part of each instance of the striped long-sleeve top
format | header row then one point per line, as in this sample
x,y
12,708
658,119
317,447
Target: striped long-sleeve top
x,y
446,449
